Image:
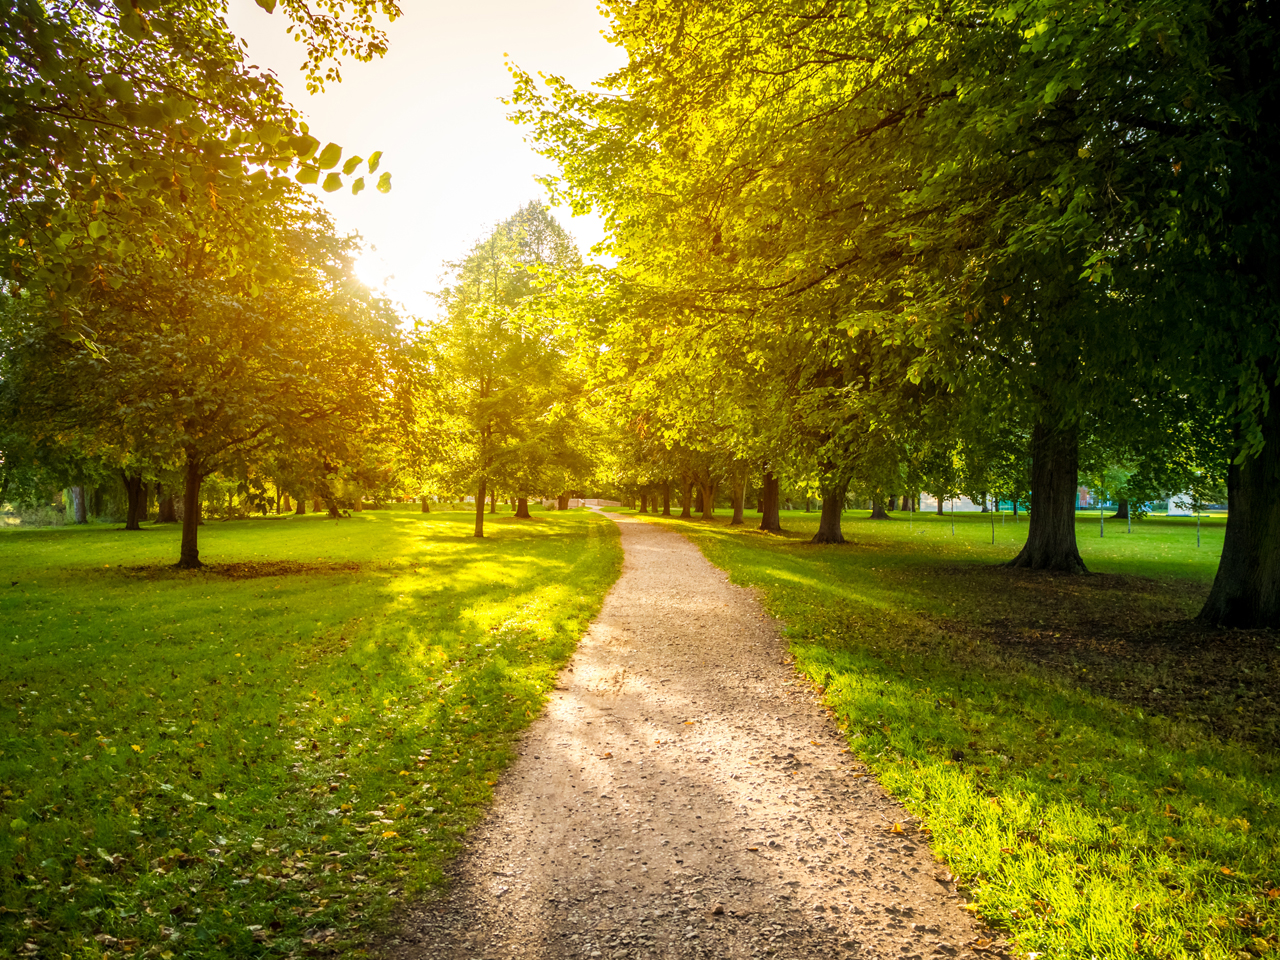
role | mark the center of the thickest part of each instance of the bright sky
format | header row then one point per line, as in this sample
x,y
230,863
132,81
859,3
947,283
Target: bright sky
x,y
432,105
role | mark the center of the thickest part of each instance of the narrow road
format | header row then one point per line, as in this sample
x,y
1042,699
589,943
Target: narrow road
x,y
684,795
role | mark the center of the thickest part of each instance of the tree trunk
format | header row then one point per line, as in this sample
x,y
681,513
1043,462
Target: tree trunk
x,y
493,500
134,492
189,556
666,498
1015,508
770,521
707,496
698,500
877,511
686,500
166,509
315,504
522,508
480,498
644,500
301,509
739,491
80,510
1122,511
562,501
832,513
1246,589
1051,534
426,506
332,504
940,510
893,505
359,504
984,502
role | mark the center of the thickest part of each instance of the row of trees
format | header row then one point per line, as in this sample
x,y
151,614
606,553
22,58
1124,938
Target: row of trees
x,y
173,305
885,245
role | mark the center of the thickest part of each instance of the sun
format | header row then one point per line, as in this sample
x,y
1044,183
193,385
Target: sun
x,y
372,270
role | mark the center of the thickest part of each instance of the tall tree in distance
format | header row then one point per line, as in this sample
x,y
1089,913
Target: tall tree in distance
x,y
502,357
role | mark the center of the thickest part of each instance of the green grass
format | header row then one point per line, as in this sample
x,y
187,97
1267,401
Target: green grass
x,y
1084,826
201,765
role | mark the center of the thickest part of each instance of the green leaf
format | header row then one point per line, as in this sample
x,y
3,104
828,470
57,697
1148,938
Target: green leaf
x,y
357,186
270,133
97,228
308,175
332,182
375,158
120,89
384,183
17,825
349,167
267,5
125,247
329,156
305,146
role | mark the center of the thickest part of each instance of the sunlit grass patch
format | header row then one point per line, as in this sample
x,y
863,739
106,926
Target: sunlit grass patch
x,y
253,764
1086,826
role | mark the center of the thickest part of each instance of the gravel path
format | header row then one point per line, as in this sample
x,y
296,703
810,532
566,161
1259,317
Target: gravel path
x,y
685,795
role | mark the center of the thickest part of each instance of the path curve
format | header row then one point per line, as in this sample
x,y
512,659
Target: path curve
x,y
685,795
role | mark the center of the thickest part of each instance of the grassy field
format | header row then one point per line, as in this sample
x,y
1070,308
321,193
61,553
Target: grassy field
x,y
259,759
1065,741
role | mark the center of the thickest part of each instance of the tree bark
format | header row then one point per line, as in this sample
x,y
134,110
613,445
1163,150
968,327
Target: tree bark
x,y
686,500
480,498
739,502
134,492
984,502
893,505
770,521
707,496
878,511
426,506
1246,589
562,501
941,512
1051,533
832,512
332,504
1122,511
666,498
80,510
166,509
189,555
644,501
698,500
522,508
493,500
301,509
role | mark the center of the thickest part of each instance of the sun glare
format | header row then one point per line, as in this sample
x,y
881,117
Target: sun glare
x,y
373,270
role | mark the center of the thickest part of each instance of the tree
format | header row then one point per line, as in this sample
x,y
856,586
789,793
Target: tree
x,y
503,358
205,374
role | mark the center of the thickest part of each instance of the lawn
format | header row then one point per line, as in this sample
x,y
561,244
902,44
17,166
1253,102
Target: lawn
x,y
260,759
1098,772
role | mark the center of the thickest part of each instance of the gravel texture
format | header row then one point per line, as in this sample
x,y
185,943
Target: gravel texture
x,y
685,795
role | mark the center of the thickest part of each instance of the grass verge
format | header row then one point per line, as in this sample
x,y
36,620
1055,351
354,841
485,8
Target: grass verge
x,y
259,759
1084,825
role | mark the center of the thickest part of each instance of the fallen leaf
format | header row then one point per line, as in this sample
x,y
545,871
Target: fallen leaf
x,y
896,828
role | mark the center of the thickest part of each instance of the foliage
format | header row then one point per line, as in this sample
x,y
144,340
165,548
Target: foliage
x,y
225,762
500,359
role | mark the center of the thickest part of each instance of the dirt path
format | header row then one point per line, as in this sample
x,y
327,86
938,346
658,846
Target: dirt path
x,y
685,796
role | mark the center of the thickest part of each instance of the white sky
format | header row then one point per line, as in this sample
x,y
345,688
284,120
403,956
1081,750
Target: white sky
x,y
432,105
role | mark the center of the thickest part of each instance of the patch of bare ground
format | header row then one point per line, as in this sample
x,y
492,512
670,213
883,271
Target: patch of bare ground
x,y
1131,638
685,795
242,570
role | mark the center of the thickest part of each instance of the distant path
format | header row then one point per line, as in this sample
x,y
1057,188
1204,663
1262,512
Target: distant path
x,y
682,796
